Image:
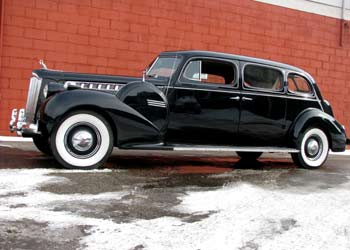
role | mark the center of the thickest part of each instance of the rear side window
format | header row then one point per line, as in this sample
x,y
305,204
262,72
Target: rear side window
x,y
264,78
298,84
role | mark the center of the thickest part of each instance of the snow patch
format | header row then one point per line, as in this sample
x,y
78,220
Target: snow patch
x,y
20,198
17,181
246,217
243,217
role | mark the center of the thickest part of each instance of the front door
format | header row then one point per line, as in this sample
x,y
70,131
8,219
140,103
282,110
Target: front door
x,y
204,103
263,106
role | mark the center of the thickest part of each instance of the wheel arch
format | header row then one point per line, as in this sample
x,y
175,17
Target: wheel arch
x,y
116,113
95,109
317,118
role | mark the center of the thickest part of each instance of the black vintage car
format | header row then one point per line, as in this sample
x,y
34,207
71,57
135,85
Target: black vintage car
x,y
186,100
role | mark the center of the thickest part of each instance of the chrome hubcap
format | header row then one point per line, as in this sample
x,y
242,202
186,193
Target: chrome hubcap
x,y
312,147
82,140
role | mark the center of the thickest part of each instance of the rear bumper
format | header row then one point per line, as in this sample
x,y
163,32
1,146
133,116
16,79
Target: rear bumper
x,y
18,123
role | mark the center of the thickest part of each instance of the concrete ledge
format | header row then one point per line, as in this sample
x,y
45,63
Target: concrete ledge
x,y
14,138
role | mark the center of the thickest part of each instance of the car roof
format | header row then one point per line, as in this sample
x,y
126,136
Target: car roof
x,y
204,53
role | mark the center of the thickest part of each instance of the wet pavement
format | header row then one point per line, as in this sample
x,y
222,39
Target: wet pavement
x,y
172,200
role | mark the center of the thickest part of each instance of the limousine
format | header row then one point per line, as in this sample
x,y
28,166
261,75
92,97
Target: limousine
x,y
185,100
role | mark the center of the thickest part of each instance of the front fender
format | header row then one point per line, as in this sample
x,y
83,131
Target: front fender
x,y
129,124
318,118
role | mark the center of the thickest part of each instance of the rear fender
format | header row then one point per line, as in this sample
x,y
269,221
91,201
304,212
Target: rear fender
x,y
318,118
130,125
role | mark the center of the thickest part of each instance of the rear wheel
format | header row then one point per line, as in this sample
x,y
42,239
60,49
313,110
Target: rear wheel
x,y
82,140
249,155
42,143
314,146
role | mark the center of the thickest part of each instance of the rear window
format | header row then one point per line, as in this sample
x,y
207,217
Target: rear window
x,y
264,78
298,84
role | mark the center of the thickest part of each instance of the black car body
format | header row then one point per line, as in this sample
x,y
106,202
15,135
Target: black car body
x,y
186,100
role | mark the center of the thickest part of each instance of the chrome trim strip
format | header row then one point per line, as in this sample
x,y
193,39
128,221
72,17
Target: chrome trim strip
x,y
241,149
155,103
214,90
94,85
282,96
249,93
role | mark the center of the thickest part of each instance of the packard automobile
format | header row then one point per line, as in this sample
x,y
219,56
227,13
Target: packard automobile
x,y
186,100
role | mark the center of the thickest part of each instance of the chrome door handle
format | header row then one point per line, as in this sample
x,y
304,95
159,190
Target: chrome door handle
x,y
247,99
236,98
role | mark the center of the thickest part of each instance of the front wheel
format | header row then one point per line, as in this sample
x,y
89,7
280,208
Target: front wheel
x,y
82,140
313,145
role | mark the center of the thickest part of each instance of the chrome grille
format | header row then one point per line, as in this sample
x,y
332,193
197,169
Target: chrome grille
x,y
32,99
94,85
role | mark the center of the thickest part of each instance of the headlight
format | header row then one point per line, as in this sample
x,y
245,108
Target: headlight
x,y
45,90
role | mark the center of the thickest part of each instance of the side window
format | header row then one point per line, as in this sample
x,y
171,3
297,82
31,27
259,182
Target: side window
x,y
298,84
210,71
262,78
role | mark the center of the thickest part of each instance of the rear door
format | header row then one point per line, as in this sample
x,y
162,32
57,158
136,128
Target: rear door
x,y
204,103
263,106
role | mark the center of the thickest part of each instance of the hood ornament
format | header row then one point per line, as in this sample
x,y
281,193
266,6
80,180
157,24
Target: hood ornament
x,y
43,65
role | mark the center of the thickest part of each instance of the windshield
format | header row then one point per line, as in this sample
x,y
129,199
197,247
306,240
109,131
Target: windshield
x,y
163,67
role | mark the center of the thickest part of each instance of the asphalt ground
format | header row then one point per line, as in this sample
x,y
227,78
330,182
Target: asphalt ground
x,y
172,200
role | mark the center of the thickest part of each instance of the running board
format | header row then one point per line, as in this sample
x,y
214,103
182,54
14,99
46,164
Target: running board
x,y
240,149
213,148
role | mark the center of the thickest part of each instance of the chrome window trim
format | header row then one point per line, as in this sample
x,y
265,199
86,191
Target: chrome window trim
x,y
310,82
200,70
151,67
235,85
155,61
281,91
311,95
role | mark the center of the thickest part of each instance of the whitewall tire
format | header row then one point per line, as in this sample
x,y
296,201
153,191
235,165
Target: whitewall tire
x,y
82,140
314,147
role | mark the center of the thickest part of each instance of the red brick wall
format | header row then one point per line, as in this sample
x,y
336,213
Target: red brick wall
x,y
122,36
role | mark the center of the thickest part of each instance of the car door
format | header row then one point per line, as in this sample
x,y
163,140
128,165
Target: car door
x,y
204,103
263,106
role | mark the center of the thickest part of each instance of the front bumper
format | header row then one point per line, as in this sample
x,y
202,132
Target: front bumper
x,y
18,123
